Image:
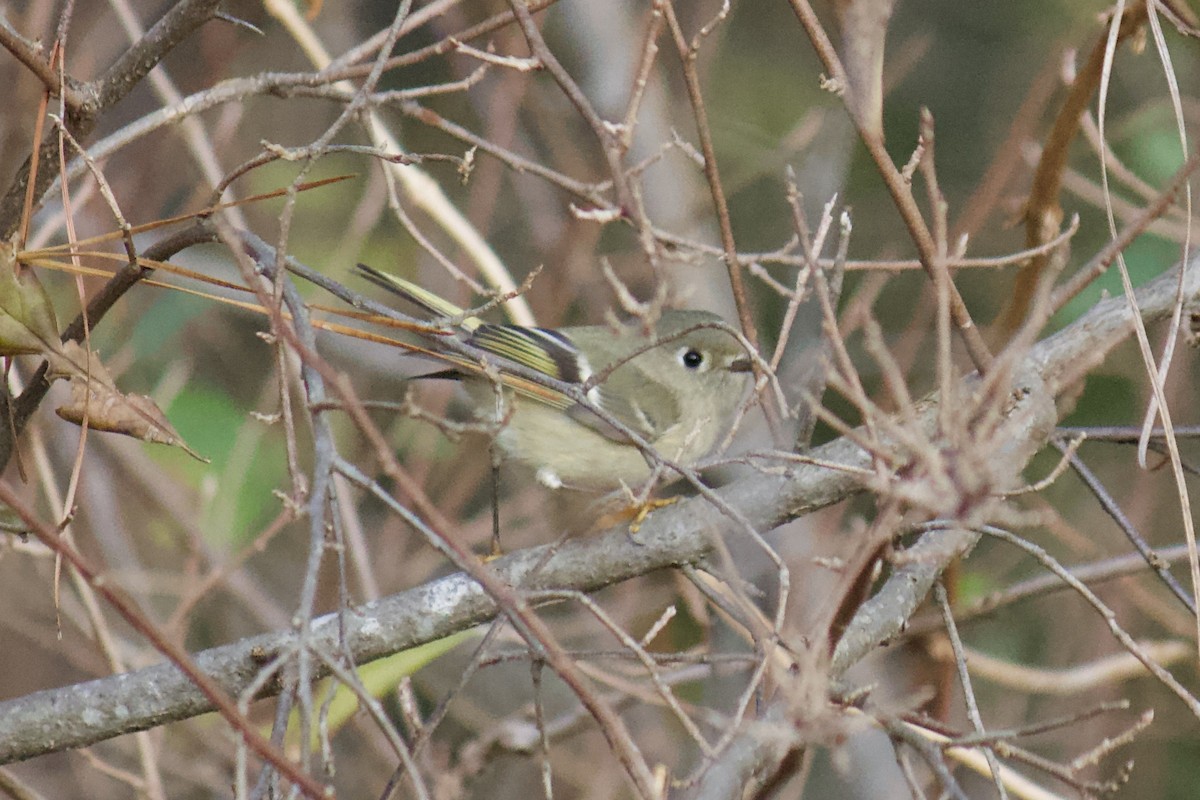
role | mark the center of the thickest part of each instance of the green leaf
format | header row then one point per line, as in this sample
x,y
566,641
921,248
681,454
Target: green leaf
x,y
27,322
380,678
11,522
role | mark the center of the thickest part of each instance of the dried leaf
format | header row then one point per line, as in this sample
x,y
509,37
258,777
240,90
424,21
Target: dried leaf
x,y
95,396
27,322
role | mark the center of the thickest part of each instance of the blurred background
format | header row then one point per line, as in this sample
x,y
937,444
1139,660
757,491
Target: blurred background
x,y
211,550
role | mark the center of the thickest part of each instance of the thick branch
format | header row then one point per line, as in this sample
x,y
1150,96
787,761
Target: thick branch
x,y
1058,361
73,716
29,54
178,23
1052,365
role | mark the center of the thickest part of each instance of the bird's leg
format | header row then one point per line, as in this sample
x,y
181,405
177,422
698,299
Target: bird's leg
x,y
494,456
626,505
642,503
643,508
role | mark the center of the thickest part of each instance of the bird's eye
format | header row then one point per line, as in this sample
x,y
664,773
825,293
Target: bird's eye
x,y
691,358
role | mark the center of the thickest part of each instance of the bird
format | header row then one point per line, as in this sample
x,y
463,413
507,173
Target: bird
x,y
677,388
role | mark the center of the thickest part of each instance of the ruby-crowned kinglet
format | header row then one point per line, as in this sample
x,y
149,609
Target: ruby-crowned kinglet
x,y
677,390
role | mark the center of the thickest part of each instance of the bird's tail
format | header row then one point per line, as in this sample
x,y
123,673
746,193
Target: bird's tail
x,y
435,304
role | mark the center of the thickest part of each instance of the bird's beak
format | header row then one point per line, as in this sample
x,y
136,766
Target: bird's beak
x,y
741,365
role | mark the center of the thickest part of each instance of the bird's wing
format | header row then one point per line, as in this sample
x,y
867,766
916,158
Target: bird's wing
x,y
647,407
546,351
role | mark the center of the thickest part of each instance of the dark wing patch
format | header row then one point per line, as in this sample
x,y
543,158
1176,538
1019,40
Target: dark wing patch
x,y
546,351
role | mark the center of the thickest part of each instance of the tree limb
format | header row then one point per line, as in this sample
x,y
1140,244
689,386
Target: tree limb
x,y
57,719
